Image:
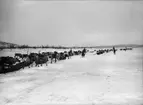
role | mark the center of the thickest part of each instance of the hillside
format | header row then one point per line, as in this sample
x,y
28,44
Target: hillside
x,y
121,45
6,44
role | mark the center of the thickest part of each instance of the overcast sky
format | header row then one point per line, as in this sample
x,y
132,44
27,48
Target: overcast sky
x,y
71,23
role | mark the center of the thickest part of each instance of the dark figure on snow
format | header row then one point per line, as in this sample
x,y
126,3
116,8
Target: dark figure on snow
x,y
70,53
83,52
114,50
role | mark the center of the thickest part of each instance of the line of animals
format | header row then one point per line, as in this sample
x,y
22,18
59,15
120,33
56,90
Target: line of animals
x,y
19,61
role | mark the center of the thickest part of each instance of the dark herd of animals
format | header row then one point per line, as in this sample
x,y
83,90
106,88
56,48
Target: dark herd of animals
x,y
20,61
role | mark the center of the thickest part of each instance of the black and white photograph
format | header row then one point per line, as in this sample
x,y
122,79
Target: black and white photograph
x,y
71,52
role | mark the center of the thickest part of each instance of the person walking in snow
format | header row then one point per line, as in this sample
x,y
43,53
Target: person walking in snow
x,y
114,50
83,52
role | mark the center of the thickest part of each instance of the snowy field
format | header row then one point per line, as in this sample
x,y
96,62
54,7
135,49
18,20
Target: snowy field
x,y
105,79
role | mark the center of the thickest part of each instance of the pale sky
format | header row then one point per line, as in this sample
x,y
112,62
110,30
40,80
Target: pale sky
x,y
71,23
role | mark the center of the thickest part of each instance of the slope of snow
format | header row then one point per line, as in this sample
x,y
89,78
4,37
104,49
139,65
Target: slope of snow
x,y
94,80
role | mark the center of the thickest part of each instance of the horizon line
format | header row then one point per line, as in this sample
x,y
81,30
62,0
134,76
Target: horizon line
x,y
73,45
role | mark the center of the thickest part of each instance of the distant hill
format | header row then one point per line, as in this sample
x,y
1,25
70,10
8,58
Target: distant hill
x,y
109,46
6,44
120,45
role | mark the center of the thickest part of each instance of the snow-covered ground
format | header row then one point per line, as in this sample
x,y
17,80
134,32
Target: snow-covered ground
x,y
94,80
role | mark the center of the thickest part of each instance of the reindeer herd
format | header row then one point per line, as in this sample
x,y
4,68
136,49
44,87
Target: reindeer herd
x,y
20,61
